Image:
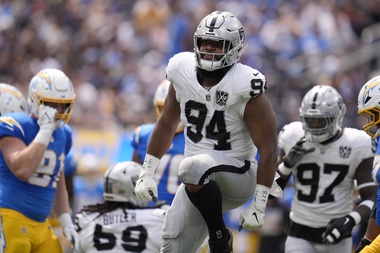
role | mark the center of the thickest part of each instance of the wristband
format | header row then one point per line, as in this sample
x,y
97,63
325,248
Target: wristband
x,y
368,203
65,219
366,240
44,136
284,170
356,216
149,166
261,196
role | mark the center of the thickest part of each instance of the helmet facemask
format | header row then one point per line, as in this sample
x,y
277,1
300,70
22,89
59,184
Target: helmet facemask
x,y
369,106
211,60
320,129
62,118
225,29
373,121
53,88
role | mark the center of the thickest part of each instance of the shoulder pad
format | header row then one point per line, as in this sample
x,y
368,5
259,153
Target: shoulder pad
x,y
248,81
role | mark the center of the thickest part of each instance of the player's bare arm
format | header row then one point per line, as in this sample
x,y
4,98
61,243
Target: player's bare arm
x,y
166,126
61,200
22,160
261,122
366,186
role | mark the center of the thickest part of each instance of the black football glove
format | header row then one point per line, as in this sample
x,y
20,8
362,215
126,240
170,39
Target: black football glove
x,y
338,229
296,153
363,242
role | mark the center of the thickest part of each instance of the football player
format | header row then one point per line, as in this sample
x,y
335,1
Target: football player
x,y
11,100
326,160
369,107
227,118
122,223
33,150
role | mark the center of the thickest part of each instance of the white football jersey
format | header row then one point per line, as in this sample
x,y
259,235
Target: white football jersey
x,y
213,118
324,179
135,230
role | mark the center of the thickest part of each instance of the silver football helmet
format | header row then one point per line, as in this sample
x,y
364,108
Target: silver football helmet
x,y
12,100
52,86
119,183
225,28
322,111
159,100
369,106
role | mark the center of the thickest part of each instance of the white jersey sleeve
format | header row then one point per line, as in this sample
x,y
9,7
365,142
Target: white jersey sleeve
x,y
324,179
213,118
120,231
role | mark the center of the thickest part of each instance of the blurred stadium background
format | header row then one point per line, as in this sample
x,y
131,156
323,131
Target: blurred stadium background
x,y
115,52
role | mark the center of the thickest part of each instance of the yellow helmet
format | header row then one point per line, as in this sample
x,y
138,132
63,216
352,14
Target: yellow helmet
x,y
52,86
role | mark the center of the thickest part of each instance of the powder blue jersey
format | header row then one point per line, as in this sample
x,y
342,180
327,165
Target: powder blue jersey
x,y
166,174
32,198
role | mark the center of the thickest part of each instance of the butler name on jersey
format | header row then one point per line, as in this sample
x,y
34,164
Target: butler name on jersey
x,y
135,230
122,223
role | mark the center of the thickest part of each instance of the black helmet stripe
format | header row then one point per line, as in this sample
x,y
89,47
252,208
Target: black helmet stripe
x,y
314,105
213,22
106,185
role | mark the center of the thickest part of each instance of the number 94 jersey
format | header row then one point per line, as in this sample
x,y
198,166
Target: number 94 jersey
x,y
129,230
213,118
324,179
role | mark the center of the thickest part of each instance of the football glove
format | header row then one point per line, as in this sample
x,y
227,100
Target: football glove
x,y
296,153
253,217
69,229
146,187
338,229
47,122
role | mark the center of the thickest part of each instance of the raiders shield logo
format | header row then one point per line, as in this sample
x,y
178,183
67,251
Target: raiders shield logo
x,y
344,151
221,97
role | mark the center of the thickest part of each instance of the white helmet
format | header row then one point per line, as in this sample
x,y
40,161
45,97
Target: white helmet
x,y
51,86
119,183
12,100
224,27
369,105
322,111
159,100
